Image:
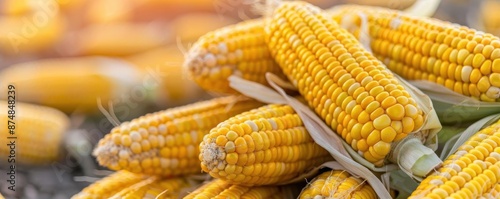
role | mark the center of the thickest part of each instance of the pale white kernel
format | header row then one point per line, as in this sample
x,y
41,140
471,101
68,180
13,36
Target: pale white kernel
x,y
252,124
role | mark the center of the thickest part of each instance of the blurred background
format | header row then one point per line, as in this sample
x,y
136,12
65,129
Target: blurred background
x,y
103,61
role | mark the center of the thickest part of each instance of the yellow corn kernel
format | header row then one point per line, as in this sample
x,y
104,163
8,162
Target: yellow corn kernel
x,y
238,49
472,171
277,142
455,54
337,184
221,189
303,32
70,84
166,143
37,132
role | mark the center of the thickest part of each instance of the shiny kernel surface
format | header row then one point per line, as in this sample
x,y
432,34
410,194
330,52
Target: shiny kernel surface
x,y
381,99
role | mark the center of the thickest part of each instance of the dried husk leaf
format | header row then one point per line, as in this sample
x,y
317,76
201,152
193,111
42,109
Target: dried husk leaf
x,y
467,133
454,108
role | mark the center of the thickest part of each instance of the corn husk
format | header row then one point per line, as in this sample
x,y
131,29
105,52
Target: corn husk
x,y
446,134
73,84
338,148
454,108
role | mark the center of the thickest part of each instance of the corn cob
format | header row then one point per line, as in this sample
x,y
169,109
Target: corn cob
x,y
164,66
238,49
462,59
471,172
109,185
115,39
345,84
337,184
222,189
165,143
109,11
487,14
19,35
263,146
56,82
39,132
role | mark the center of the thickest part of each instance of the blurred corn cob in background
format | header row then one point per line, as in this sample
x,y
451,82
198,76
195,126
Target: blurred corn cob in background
x,y
164,66
398,5
155,188
21,7
110,185
222,189
38,131
488,16
267,145
70,84
126,185
459,58
109,11
188,28
166,142
337,184
36,31
473,171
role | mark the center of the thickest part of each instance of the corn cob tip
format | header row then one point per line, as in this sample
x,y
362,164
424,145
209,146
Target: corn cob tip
x,y
211,153
237,49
